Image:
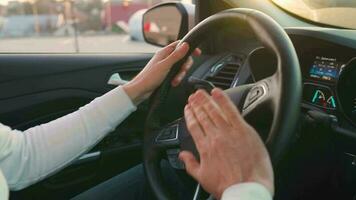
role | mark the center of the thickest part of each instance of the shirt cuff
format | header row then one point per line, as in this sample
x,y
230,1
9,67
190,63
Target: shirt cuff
x,y
247,191
121,94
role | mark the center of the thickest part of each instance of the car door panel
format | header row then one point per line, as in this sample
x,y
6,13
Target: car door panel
x,y
39,80
39,88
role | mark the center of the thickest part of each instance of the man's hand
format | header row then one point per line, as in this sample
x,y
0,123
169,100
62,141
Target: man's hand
x,y
230,150
142,86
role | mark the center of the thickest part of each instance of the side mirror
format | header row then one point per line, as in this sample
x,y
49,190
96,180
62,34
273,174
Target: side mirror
x,y
167,22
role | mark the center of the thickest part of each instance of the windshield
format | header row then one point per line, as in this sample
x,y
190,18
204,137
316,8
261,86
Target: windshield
x,y
340,13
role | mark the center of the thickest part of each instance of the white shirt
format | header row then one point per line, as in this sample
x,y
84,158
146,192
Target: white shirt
x,y
32,155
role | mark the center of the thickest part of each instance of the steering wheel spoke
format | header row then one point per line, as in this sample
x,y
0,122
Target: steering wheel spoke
x,y
168,141
261,96
173,138
167,137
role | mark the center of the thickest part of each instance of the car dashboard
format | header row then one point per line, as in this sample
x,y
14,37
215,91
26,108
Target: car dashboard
x,y
327,65
327,60
328,85
323,55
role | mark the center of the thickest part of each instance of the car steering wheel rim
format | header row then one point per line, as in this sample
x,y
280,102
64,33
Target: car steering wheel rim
x,y
280,92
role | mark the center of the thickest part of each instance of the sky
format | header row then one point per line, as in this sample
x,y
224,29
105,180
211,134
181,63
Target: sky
x,y
4,2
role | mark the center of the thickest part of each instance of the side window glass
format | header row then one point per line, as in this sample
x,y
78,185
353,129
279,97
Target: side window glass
x,y
73,26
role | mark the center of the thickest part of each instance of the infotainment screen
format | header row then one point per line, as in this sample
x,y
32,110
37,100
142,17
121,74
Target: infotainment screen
x,y
325,68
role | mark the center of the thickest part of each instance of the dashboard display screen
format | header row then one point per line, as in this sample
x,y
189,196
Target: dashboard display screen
x,y
325,68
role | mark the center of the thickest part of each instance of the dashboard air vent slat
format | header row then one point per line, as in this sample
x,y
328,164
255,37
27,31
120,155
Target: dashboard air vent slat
x,y
225,75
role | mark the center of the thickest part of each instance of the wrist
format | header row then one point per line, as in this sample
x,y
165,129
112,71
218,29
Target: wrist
x,y
268,185
134,93
221,189
267,181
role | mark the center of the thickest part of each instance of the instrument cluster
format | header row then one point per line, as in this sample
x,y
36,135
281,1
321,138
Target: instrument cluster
x,y
330,84
346,90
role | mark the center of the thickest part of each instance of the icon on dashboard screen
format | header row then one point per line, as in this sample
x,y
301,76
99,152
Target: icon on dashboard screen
x,y
320,96
331,102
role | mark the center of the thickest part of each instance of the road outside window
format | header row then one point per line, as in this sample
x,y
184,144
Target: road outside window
x,y
73,26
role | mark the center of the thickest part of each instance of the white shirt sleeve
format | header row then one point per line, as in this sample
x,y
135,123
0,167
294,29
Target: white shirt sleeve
x,y
247,191
30,156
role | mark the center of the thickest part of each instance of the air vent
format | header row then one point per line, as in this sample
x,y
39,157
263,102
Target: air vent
x,y
223,73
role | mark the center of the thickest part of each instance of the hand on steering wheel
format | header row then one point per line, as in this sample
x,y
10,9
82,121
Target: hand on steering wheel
x,y
151,77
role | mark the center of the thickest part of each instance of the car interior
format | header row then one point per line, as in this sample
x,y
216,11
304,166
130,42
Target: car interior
x,y
316,156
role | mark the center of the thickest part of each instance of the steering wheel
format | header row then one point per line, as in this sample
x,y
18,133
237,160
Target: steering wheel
x,y
279,93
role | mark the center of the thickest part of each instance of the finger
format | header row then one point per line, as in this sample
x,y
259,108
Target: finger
x,y
183,71
214,111
211,108
197,52
178,79
166,51
173,44
226,105
191,164
194,128
200,113
176,55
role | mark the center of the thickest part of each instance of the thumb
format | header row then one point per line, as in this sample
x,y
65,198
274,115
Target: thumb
x,y
176,55
191,164
166,51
